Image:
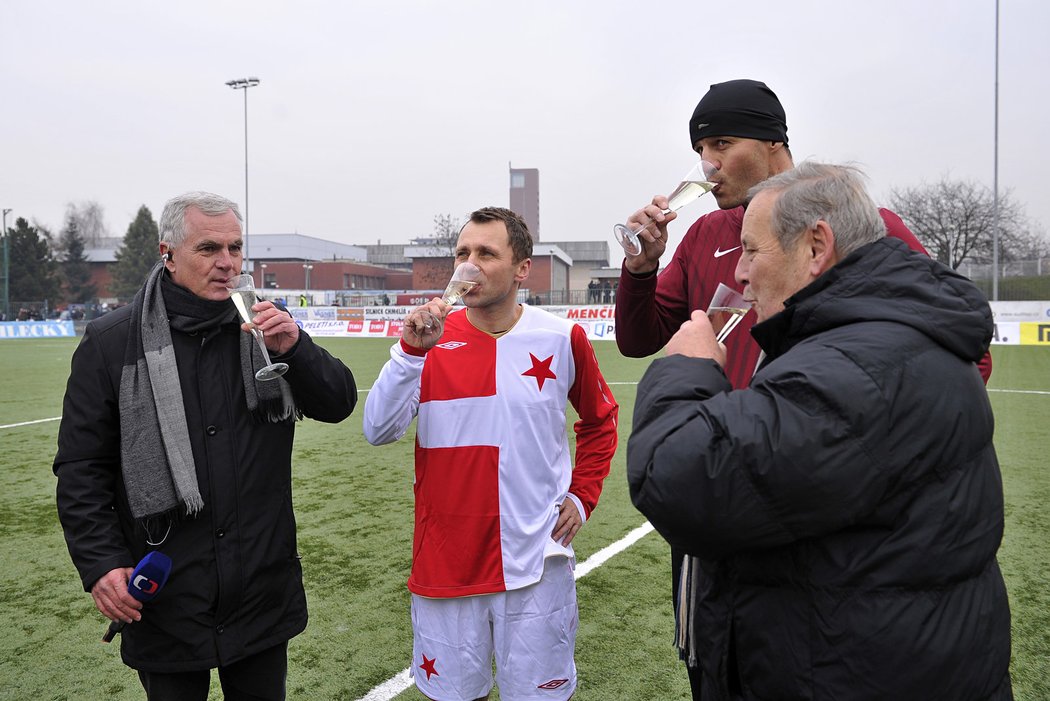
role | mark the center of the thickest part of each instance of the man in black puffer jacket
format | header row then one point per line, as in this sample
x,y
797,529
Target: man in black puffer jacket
x,y
846,508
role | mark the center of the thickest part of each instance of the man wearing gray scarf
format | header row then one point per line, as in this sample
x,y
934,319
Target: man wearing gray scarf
x,y
168,442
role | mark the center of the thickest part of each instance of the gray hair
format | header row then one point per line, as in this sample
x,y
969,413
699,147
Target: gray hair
x,y
173,218
813,192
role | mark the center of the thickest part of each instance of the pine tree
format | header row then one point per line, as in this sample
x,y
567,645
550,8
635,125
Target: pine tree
x,y
33,269
136,256
76,269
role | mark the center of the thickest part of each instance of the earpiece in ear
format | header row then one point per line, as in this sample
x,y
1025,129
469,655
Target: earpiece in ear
x,y
167,255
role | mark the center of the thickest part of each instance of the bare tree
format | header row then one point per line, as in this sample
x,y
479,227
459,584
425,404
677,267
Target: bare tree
x,y
1031,245
954,220
446,231
90,221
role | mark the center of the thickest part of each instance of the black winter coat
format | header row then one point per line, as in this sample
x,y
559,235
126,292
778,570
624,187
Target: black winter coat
x,y
236,586
847,507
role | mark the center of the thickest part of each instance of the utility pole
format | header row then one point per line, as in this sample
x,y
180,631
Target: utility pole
x,y
7,270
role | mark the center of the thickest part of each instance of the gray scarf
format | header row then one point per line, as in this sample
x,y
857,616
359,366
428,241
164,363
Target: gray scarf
x,y
155,449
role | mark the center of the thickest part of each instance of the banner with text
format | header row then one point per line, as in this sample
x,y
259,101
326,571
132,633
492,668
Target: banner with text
x,y
37,329
1016,323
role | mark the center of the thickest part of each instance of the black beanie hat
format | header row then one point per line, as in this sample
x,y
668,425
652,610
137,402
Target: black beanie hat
x,y
744,108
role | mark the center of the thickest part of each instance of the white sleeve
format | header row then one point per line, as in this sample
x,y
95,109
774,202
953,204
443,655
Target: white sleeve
x,y
393,401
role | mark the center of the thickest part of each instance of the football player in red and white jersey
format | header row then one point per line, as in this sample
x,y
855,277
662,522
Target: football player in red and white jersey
x,y
498,497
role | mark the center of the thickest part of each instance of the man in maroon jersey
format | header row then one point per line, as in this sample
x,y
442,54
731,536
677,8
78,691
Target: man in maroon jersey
x,y
739,127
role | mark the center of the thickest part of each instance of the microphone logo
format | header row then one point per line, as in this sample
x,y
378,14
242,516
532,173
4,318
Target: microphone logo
x,y
146,580
145,585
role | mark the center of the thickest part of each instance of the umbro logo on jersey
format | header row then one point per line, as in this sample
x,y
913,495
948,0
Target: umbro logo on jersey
x,y
719,252
553,684
451,345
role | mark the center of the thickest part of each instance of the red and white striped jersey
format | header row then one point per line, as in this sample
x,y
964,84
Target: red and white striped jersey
x,y
492,455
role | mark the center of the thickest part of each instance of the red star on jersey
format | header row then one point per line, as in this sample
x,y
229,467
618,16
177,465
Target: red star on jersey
x,y
541,370
428,666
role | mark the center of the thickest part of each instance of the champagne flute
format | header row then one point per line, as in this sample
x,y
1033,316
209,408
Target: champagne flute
x,y
242,292
725,311
694,183
464,279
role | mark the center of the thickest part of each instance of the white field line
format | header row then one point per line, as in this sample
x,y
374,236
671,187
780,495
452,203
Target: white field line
x,y
57,418
365,391
30,423
390,688
402,680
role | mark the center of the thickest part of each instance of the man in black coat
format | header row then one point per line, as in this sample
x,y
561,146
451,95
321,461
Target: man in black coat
x,y
169,442
845,508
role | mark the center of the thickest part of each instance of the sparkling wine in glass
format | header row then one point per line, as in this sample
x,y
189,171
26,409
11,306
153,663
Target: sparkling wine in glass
x,y
242,292
464,279
725,311
694,183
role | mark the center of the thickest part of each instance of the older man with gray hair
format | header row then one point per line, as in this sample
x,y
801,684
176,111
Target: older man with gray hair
x,y
170,443
846,507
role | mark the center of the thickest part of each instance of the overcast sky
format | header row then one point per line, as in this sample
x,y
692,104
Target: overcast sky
x,y
374,116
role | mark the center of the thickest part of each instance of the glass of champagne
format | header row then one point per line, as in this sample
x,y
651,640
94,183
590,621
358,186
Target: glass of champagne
x,y
464,279
694,183
242,292
725,311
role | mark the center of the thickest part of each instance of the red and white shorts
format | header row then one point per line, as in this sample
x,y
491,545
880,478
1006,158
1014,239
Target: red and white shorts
x,y
530,632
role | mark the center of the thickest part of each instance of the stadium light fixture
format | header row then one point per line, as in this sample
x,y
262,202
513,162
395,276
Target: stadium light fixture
x,y
244,84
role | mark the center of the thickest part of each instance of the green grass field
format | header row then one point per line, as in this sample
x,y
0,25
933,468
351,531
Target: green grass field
x,y
354,508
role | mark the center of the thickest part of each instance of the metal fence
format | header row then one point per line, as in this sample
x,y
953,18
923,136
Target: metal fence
x,y
1013,268
1018,280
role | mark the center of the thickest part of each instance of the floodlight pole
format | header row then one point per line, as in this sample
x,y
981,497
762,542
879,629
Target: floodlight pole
x,y
244,84
995,170
7,270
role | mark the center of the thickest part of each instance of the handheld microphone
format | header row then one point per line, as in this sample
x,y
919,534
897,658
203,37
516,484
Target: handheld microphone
x,y
147,579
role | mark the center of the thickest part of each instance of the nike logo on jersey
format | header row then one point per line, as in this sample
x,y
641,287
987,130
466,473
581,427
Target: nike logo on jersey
x,y
452,345
719,252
